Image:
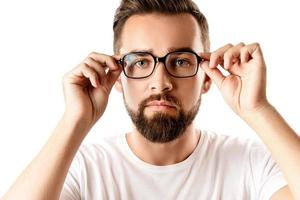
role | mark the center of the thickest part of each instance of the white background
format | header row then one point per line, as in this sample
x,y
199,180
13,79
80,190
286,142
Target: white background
x,y
42,40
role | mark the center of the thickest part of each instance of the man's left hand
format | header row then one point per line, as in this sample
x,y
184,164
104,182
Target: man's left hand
x,y
244,89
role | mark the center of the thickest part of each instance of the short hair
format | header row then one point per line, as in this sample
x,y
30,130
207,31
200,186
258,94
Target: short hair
x,y
129,8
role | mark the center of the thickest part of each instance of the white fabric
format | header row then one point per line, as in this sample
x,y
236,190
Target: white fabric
x,y
221,167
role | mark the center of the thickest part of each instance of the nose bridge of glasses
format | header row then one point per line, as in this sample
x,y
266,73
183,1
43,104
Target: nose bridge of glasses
x,y
160,76
161,60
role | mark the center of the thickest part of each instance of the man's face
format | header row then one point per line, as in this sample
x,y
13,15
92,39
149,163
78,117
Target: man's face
x,y
162,106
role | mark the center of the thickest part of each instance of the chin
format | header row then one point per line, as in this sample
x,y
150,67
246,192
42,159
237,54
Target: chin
x,y
150,114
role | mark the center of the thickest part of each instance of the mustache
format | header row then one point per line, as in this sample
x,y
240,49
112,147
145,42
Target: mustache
x,y
158,97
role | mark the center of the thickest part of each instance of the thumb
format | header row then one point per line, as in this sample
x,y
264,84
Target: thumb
x,y
112,76
214,73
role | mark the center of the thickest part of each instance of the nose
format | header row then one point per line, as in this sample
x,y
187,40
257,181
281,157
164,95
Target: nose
x,y
160,79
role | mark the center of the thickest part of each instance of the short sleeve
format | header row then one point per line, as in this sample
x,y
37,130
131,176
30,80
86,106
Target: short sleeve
x,y
71,187
267,175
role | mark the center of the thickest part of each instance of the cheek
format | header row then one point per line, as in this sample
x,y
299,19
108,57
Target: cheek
x,y
189,92
133,93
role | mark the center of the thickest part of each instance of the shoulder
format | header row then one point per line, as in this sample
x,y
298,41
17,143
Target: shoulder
x,y
107,148
231,145
229,141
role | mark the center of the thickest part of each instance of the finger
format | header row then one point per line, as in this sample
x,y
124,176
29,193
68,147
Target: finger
x,y
97,67
117,56
254,50
205,55
106,79
214,73
232,55
105,60
245,55
216,57
112,77
85,71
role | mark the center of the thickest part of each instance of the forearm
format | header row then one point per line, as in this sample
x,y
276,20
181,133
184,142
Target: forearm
x,y
281,140
45,175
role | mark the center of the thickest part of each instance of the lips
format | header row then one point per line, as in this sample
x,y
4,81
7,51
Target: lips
x,y
161,103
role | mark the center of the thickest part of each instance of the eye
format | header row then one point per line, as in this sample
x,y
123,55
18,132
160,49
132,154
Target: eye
x,y
181,63
141,63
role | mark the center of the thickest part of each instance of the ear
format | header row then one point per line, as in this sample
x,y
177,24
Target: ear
x,y
206,84
118,85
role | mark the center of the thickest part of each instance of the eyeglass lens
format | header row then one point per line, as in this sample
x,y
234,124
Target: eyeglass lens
x,y
179,64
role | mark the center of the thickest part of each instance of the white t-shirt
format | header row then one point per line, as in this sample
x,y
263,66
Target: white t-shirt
x,y
220,167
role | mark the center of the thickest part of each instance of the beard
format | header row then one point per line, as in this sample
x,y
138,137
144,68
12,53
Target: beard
x,y
162,127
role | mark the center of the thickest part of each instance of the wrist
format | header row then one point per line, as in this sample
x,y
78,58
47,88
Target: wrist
x,y
261,111
77,125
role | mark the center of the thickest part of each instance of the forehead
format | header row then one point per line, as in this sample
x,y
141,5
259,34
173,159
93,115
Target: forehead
x,y
160,33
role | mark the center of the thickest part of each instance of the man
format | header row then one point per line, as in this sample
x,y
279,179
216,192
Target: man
x,y
162,65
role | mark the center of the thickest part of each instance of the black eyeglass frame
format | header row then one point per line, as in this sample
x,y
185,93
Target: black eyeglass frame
x,y
160,59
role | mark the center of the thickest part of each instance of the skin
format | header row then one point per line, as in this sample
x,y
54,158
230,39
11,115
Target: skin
x,y
87,87
188,90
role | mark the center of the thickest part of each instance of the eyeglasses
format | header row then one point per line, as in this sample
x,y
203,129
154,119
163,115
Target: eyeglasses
x,y
179,64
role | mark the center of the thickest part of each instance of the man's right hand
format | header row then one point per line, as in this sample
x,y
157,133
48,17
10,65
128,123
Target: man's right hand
x,y
87,87
86,90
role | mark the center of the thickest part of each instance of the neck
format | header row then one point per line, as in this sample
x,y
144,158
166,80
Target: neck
x,y
164,153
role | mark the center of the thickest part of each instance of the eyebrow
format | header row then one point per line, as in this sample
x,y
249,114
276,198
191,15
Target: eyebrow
x,y
171,49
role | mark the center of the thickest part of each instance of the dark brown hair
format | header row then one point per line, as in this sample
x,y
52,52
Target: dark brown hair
x,y
128,8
